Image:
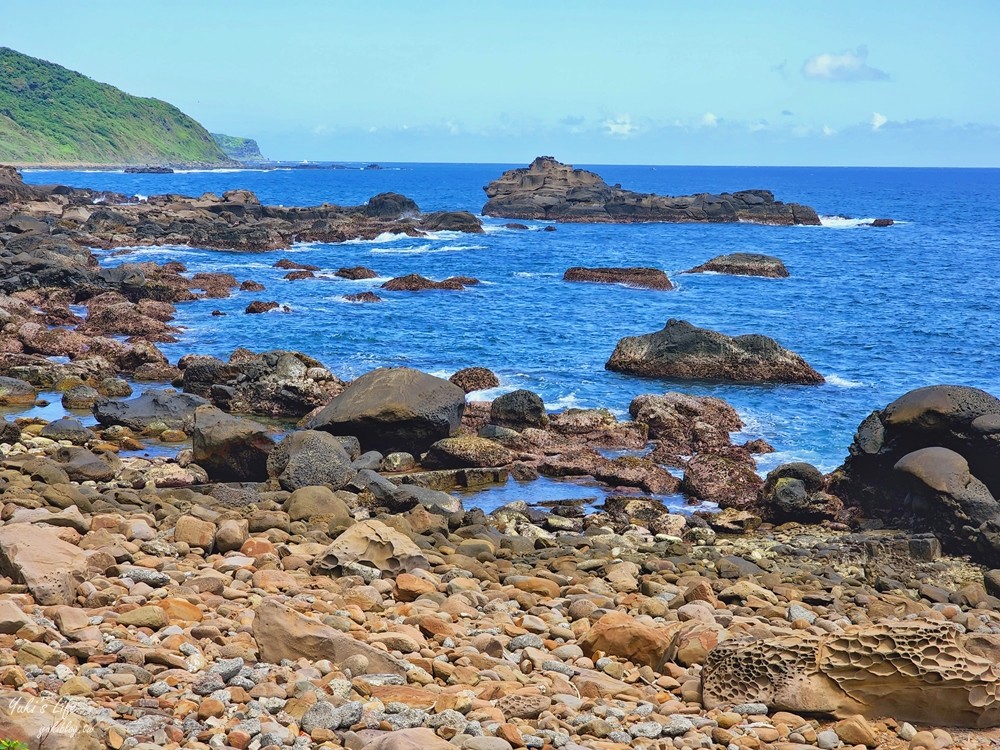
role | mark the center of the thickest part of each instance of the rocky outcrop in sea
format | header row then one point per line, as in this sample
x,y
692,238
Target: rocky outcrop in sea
x,y
550,190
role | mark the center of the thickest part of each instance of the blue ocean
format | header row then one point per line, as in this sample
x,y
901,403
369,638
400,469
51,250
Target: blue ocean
x,y
878,311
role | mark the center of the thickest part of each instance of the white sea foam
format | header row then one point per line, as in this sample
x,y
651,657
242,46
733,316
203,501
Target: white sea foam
x,y
835,379
384,237
843,222
569,401
425,249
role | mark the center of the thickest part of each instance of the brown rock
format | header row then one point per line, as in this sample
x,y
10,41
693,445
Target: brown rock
x,y
282,633
646,278
619,634
51,567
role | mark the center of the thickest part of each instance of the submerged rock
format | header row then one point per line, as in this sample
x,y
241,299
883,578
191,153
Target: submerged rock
x,y
683,352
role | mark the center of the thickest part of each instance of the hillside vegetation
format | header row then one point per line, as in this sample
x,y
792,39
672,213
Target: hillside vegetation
x,y
240,149
50,114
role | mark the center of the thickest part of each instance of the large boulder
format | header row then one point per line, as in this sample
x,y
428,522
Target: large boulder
x,y
930,461
372,544
518,409
744,264
394,409
51,568
797,492
16,392
166,409
682,425
466,451
33,723
682,351
619,634
309,458
229,448
452,221
924,672
548,189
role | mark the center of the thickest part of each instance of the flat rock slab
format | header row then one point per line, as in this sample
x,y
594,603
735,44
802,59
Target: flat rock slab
x,y
51,568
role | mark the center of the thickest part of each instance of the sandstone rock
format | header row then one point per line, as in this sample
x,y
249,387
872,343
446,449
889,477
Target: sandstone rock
x,y
409,739
744,264
374,544
195,532
683,352
44,723
283,633
51,567
229,448
308,502
309,458
550,190
618,634
395,409
873,670
646,278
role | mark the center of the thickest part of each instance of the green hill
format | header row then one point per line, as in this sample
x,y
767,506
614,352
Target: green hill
x,y
240,149
50,114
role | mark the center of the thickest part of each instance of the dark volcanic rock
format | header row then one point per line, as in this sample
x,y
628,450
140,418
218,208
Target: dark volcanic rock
x,y
168,408
744,264
550,190
394,409
930,461
416,283
362,297
518,410
229,448
391,206
795,492
683,352
14,391
290,265
356,273
648,278
310,458
453,221
258,306
882,223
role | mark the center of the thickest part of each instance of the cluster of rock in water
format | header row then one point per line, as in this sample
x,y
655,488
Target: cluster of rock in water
x,y
317,585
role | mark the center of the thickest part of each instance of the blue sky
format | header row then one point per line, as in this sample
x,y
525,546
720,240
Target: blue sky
x,y
777,83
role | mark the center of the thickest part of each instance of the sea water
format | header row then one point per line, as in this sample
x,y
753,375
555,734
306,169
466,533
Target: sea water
x,y
877,311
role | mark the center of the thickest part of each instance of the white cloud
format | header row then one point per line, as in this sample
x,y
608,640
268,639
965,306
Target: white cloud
x,y
828,131
709,120
621,127
878,120
845,66
756,127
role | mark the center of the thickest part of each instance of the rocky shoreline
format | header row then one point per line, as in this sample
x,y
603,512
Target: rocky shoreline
x,y
315,582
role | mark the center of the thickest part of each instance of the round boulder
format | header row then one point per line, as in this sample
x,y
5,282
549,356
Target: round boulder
x,y
518,410
309,458
471,379
230,449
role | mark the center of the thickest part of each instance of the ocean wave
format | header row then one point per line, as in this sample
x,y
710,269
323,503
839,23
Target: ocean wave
x,y
425,249
222,170
382,238
533,274
569,401
836,380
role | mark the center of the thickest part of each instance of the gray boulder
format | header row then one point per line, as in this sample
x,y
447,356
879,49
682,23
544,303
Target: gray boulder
x,y
394,409
309,458
682,351
168,408
230,449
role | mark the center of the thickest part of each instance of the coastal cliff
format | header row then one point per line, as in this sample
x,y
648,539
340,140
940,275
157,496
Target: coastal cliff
x,y
550,190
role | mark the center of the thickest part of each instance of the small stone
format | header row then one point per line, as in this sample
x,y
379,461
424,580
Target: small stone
x,y
827,740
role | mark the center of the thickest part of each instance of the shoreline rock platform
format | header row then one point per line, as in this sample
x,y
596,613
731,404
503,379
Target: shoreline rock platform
x,y
313,583
553,191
